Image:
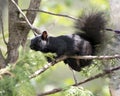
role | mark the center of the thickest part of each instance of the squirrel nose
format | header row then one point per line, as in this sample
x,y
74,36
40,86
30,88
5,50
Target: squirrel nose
x,y
31,46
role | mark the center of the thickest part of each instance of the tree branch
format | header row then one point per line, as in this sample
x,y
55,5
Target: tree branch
x,y
96,57
2,28
2,60
26,19
56,90
67,16
18,32
40,71
22,14
51,13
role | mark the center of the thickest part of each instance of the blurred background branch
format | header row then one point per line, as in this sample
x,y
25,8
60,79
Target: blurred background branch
x,y
82,82
51,13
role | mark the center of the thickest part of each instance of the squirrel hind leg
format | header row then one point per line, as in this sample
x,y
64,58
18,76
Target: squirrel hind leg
x,y
77,64
72,63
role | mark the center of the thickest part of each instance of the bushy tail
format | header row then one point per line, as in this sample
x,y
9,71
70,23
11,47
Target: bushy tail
x,y
89,28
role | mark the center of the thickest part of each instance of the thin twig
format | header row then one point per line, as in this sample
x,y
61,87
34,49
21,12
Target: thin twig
x,y
22,14
73,73
51,13
2,28
56,90
35,29
110,91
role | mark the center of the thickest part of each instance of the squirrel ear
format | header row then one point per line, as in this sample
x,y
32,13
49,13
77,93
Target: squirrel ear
x,y
44,35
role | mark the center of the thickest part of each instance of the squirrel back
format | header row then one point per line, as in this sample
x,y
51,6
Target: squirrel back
x,y
90,28
83,42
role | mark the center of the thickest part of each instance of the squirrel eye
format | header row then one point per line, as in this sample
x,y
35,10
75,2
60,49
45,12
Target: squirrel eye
x,y
39,40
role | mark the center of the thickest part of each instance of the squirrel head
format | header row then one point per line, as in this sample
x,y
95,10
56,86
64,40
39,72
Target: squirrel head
x,y
39,43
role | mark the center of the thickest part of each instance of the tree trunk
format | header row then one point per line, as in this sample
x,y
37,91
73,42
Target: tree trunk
x,y
115,18
18,29
14,34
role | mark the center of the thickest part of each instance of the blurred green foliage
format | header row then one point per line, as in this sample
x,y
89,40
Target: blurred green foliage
x,y
78,91
58,75
19,84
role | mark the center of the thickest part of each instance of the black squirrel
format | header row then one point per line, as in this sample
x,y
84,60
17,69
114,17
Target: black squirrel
x,y
89,34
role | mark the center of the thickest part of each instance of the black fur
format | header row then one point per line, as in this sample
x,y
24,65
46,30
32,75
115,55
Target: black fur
x,y
83,42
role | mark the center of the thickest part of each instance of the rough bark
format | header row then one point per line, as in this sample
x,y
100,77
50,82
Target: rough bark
x,y
14,36
18,29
